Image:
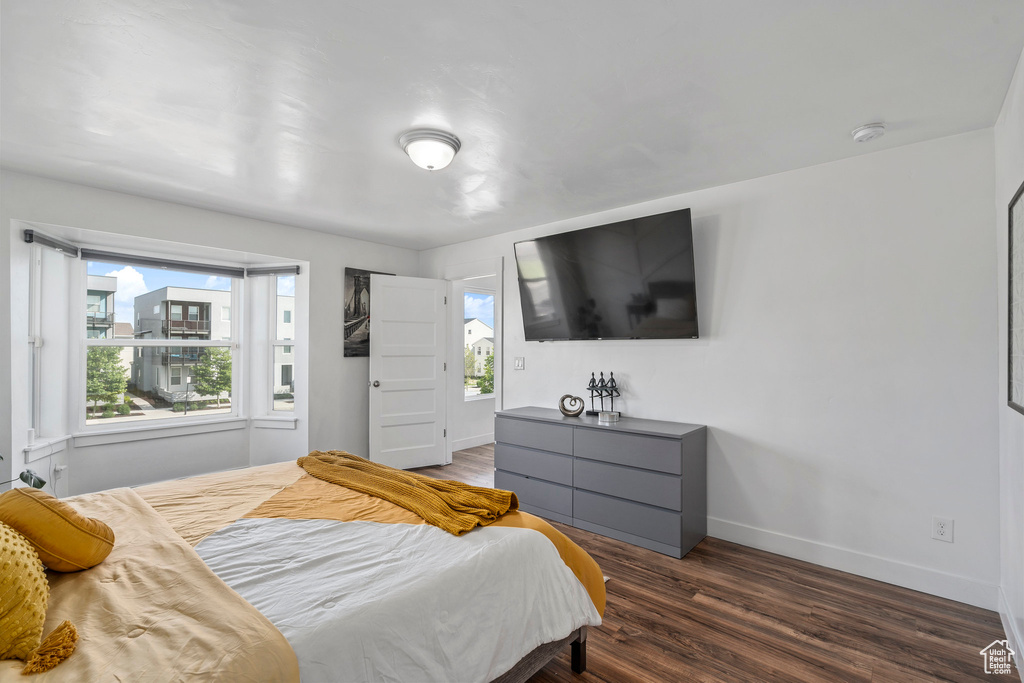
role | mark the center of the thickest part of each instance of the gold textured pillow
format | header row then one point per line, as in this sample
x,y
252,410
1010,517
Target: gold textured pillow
x,y
66,540
23,595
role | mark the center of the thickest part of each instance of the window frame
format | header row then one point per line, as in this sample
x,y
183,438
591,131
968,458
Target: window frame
x,y
77,379
278,318
477,349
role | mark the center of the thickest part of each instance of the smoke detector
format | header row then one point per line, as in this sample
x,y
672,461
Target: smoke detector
x,y
868,132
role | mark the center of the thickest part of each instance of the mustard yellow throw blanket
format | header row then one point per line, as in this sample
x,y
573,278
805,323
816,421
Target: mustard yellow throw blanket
x,y
449,505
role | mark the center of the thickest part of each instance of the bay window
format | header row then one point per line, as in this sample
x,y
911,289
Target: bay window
x,y
123,341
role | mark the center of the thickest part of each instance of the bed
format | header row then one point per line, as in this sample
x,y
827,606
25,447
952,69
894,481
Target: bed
x,y
270,574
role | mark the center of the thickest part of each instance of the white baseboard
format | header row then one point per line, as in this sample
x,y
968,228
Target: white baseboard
x,y
959,588
471,441
1013,636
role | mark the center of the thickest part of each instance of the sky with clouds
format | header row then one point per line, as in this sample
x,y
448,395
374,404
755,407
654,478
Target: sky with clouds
x,y
481,307
132,281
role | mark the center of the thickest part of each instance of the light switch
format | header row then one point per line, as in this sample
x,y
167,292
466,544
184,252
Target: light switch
x,y
519,363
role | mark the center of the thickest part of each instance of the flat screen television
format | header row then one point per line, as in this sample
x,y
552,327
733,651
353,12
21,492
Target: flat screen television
x,y
628,280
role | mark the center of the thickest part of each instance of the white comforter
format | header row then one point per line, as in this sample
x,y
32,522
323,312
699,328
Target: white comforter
x,y
364,601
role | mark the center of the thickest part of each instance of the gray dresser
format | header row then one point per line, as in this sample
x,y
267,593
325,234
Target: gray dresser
x,y
640,481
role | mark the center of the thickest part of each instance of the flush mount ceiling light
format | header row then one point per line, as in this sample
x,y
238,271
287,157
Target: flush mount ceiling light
x,y
868,132
430,149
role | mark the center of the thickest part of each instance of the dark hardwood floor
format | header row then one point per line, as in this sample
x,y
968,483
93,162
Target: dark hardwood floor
x,y
730,613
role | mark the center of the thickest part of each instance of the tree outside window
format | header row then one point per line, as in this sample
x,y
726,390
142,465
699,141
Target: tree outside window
x,y
212,375
470,369
487,381
106,379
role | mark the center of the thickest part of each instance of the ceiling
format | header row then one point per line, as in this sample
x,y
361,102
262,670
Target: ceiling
x,y
291,111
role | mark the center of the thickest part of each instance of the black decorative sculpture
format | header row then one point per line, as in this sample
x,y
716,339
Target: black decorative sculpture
x,y
592,388
601,389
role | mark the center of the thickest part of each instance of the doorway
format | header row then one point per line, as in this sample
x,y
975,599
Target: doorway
x,y
474,388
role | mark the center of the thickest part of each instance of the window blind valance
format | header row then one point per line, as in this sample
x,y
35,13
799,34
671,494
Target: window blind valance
x,y
66,248
166,264
276,270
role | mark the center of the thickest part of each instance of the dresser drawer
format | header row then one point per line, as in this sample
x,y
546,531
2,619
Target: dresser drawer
x,y
536,492
653,488
536,464
656,524
538,435
632,450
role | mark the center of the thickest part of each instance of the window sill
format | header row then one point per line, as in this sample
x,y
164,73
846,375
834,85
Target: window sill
x,y
109,436
478,397
274,422
45,448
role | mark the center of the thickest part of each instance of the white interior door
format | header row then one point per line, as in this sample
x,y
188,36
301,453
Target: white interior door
x,y
407,371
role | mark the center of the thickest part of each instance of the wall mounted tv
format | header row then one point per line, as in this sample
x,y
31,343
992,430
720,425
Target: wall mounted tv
x,y
628,280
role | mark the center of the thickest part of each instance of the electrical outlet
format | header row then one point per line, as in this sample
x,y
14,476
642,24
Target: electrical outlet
x,y
942,529
519,363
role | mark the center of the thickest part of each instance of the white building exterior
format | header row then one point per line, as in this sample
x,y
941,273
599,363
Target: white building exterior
x,y
476,329
482,348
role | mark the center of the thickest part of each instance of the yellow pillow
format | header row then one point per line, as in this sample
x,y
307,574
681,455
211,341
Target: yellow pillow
x,y
23,595
66,540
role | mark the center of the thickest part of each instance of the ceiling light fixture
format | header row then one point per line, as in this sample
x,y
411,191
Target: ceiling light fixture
x,y
430,149
868,132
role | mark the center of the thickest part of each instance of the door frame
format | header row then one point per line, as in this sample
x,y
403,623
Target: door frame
x,y
461,272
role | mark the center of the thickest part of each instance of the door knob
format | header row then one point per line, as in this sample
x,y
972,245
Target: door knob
x,y
376,383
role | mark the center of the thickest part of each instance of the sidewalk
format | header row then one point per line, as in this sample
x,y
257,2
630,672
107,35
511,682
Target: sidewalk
x,y
142,403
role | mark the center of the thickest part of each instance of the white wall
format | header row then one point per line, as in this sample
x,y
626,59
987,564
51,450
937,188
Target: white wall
x,y
845,366
1009,154
338,412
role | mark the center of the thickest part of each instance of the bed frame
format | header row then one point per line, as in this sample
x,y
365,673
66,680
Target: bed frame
x,y
542,654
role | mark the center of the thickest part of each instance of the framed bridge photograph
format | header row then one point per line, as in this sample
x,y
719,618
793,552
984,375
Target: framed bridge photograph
x,y
357,311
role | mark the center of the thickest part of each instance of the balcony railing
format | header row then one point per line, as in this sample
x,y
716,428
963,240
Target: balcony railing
x,y
185,327
97,318
186,356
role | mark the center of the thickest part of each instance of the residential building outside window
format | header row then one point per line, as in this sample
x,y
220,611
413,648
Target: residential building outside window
x,y
99,306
